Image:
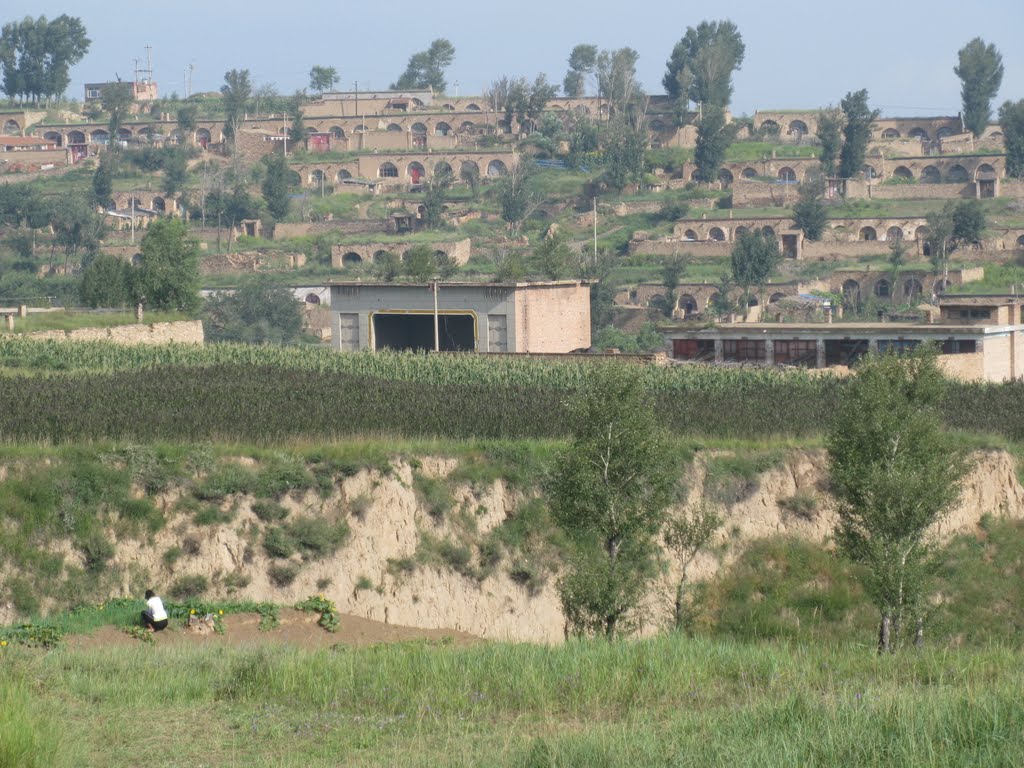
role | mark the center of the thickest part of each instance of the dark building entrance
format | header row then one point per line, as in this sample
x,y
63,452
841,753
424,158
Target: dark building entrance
x,y
416,332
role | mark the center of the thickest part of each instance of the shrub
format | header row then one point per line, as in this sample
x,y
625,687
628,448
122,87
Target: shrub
x,y
437,498
225,480
212,515
317,537
282,476
23,596
269,511
360,505
97,549
802,504
142,511
283,574
187,587
456,556
363,583
172,555
278,542
731,479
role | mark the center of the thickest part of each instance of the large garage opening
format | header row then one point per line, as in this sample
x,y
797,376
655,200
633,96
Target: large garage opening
x,y
416,332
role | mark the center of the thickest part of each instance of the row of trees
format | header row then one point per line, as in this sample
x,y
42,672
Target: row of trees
x,y
895,473
36,56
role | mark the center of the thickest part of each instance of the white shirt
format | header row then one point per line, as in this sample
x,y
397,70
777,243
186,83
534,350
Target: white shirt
x,y
156,607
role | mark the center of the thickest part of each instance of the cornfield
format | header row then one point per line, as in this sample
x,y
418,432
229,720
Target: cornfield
x,y
62,392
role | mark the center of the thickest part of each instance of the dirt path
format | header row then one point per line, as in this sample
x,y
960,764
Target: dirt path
x,y
296,628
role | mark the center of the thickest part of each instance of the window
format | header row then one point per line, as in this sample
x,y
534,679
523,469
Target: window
x,y
899,346
796,352
976,314
959,347
693,349
743,350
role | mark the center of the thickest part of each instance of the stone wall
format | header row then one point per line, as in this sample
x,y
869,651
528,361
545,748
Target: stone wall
x,y
360,254
182,332
284,231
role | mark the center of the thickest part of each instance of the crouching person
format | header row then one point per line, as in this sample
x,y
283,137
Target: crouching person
x,y
154,618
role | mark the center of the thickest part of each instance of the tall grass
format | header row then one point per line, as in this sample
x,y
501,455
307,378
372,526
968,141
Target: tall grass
x,y
669,701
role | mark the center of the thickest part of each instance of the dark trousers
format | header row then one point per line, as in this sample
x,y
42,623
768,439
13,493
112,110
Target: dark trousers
x,y
147,620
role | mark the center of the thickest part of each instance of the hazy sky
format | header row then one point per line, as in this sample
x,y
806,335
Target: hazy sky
x,y
806,54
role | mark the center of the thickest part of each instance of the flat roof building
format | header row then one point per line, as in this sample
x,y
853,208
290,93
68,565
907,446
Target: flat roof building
x,y
981,338
538,317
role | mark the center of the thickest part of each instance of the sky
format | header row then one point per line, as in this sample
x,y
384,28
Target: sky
x,y
798,55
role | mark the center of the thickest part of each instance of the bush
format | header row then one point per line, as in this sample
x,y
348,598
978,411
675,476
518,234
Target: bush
x,y
317,537
283,574
172,555
435,494
269,511
188,587
224,481
360,505
142,511
282,477
97,549
802,504
278,542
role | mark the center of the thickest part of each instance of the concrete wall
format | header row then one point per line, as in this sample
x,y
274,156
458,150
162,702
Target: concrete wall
x,y
283,231
553,318
968,367
27,161
183,332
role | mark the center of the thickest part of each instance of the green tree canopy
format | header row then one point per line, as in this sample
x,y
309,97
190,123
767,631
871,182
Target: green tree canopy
x,y
809,212
895,472
701,66
858,118
616,78
259,311
322,79
754,257
275,186
582,61
830,134
609,491
624,144
714,136
106,282
36,56
1011,121
426,68
236,92
980,69
167,276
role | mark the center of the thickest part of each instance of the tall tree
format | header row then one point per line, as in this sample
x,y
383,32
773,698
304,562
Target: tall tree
x,y
236,92
106,282
117,99
582,61
895,472
830,134
809,212
275,186
714,136
624,144
685,536
517,197
956,225
175,171
36,56
980,69
701,66
167,276
857,121
609,491
103,180
616,78
754,257
434,198
188,121
1011,121
426,68
322,79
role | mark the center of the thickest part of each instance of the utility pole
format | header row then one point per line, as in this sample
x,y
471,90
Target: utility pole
x,y
595,230
133,219
437,334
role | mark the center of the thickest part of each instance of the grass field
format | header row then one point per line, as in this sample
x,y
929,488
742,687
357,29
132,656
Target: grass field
x,y
668,701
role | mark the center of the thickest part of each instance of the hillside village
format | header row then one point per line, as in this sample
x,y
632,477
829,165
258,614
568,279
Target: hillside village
x,y
560,424
519,186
